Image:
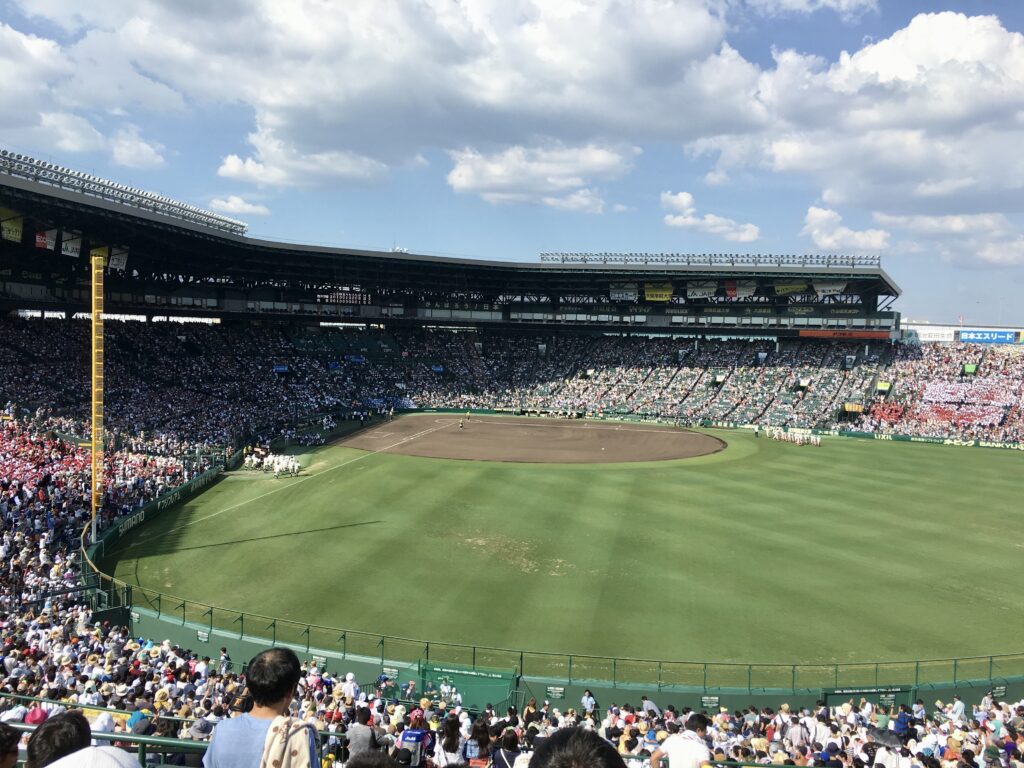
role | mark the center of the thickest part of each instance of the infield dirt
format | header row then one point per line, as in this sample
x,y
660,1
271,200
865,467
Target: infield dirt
x,y
532,440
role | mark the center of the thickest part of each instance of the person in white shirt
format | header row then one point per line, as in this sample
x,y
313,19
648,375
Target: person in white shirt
x,y
687,749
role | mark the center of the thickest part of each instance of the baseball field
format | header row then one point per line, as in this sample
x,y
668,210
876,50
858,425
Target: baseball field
x,y
612,540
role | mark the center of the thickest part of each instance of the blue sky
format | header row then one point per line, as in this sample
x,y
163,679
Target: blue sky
x,y
504,128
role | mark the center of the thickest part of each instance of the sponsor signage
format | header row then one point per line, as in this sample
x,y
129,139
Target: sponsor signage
x,y
709,702
929,333
71,244
740,289
623,292
202,636
46,240
319,661
786,288
701,290
134,616
829,287
554,692
988,337
10,225
119,259
658,291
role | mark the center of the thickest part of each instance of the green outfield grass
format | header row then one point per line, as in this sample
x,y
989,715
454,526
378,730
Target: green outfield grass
x,y
766,552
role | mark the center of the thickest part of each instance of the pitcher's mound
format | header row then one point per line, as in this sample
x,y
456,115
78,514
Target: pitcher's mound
x,y
537,440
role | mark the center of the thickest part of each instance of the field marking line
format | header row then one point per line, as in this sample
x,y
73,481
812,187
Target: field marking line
x,y
364,455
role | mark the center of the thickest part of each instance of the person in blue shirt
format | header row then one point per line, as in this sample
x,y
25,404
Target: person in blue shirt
x,y
271,678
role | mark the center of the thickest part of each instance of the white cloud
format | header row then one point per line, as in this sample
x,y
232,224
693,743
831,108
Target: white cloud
x,y
237,205
557,176
132,151
683,214
1004,253
580,201
277,163
70,133
846,8
826,230
989,224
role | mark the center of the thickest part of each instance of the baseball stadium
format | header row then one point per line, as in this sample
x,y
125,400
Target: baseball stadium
x,y
713,480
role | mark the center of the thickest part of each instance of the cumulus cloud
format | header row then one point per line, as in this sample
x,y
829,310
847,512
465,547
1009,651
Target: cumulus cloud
x,y
70,133
826,230
275,162
556,176
238,205
683,214
848,9
132,151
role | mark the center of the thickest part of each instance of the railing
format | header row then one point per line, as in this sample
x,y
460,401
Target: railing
x,y
349,643
141,745
836,261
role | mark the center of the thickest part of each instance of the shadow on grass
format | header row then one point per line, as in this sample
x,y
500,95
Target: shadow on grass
x,y
159,546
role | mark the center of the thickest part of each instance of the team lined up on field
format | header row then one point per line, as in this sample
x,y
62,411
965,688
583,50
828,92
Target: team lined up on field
x,y
272,462
796,438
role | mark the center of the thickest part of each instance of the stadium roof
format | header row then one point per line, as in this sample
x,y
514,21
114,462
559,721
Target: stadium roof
x,y
167,237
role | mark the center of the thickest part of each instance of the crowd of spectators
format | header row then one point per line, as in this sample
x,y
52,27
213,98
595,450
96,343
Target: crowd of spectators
x,y
174,390
177,394
137,686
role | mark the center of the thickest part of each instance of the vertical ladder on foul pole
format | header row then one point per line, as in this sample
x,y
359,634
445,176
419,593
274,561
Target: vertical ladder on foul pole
x,y
98,262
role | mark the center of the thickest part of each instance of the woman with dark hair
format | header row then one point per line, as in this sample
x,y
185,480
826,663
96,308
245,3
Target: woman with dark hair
x,y
478,745
448,750
507,750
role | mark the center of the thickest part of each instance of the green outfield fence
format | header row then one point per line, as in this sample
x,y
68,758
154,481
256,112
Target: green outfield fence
x,y
111,593
387,649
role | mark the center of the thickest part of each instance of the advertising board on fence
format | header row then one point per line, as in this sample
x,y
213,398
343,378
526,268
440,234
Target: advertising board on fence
x,y
977,336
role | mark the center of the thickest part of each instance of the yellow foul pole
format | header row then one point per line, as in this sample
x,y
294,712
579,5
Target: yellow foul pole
x,y
98,262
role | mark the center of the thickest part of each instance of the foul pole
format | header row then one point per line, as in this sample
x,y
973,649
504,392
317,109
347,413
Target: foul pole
x,y
98,262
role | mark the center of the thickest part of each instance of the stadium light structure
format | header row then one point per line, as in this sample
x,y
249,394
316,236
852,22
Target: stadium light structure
x,y
22,166
829,261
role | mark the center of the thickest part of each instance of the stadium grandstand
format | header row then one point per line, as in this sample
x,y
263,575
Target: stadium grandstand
x,y
221,348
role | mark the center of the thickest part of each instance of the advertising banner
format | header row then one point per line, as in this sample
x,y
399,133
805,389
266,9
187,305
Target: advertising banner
x,y
119,258
740,289
829,287
988,337
786,288
702,290
623,292
71,244
47,239
10,225
658,291
919,333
